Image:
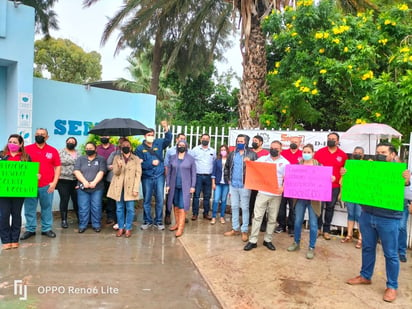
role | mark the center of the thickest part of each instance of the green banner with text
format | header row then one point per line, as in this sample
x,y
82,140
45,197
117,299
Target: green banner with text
x,y
18,178
374,183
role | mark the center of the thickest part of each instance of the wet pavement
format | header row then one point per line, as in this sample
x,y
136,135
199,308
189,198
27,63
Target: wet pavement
x,y
202,269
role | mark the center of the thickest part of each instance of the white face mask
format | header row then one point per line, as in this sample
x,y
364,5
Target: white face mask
x,y
150,139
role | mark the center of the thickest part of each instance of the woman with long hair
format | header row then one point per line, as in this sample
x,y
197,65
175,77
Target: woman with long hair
x,y
220,187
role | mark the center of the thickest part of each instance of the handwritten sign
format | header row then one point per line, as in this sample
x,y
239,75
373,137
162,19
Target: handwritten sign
x,y
308,182
18,179
262,176
378,184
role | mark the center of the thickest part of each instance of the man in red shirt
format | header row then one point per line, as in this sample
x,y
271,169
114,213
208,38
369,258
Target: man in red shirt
x,y
331,155
293,154
49,174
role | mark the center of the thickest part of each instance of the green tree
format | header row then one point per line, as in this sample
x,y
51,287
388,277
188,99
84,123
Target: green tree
x,y
186,35
329,70
45,17
65,61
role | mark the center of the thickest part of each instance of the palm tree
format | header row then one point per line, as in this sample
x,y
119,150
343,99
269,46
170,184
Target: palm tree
x,y
45,17
186,33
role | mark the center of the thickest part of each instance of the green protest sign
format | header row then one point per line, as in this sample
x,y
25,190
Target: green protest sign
x,y
18,178
373,183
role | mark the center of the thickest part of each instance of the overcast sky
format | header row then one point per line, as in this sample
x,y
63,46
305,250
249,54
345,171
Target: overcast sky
x,y
85,27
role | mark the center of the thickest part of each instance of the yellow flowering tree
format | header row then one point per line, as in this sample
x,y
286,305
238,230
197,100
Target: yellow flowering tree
x,y
335,70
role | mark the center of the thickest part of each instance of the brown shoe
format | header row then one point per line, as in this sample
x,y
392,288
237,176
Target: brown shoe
x,y
6,246
207,217
194,217
128,233
245,237
167,220
119,233
390,295
232,233
358,280
14,245
326,236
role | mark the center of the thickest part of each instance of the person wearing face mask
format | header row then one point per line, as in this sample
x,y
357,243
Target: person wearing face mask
x,y
169,153
49,173
313,207
124,187
204,156
105,149
293,154
153,175
180,184
267,201
331,155
381,224
89,171
234,174
67,181
257,147
11,206
354,210
220,187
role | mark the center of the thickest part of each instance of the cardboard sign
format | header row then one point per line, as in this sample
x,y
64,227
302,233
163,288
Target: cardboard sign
x,y
373,183
18,178
308,182
262,176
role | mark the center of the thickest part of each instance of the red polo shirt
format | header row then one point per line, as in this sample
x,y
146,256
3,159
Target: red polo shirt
x,y
262,152
293,158
336,160
48,157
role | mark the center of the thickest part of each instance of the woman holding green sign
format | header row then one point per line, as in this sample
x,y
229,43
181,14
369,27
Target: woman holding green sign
x,y
11,206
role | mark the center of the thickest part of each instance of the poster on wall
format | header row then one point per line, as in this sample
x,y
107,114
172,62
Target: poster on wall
x,y
24,119
25,101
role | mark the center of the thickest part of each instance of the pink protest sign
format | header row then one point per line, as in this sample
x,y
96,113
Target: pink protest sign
x,y
308,182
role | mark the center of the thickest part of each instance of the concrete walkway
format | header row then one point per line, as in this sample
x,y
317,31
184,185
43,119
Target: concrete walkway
x,y
202,269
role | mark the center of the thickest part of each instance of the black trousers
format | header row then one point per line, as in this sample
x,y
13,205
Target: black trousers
x,y
328,208
288,221
66,189
10,206
110,203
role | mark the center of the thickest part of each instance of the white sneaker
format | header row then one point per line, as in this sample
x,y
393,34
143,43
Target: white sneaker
x,y
115,227
160,227
145,226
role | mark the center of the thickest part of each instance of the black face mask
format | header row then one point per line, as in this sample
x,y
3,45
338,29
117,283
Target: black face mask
x,y
380,157
126,150
181,149
255,145
293,146
205,143
274,152
357,156
90,152
331,143
104,140
39,139
70,146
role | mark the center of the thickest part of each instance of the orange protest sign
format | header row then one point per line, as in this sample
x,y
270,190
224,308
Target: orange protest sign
x,y
262,176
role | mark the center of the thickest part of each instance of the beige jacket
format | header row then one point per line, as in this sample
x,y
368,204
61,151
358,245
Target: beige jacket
x,y
125,178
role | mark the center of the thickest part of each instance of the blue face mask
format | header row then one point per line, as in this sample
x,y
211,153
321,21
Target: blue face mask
x,y
307,156
240,146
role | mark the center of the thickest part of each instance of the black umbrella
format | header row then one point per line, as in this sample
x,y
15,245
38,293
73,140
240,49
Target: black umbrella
x,y
119,127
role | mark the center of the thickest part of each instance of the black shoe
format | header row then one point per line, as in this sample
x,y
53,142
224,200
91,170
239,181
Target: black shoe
x,y
167,220
269,245
249,246
27,235
64,224
82,230
403,258
50,234
110,221
97,229
280,229
291,232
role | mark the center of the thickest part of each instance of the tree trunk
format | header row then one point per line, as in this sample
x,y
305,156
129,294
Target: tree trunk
x,y
254,77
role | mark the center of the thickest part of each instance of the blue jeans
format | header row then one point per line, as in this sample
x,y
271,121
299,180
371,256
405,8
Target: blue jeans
x,y
403,230
387,230
354,211
203,184
300,208
30,210
240,199
90,206
153,185
120,212
220,194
